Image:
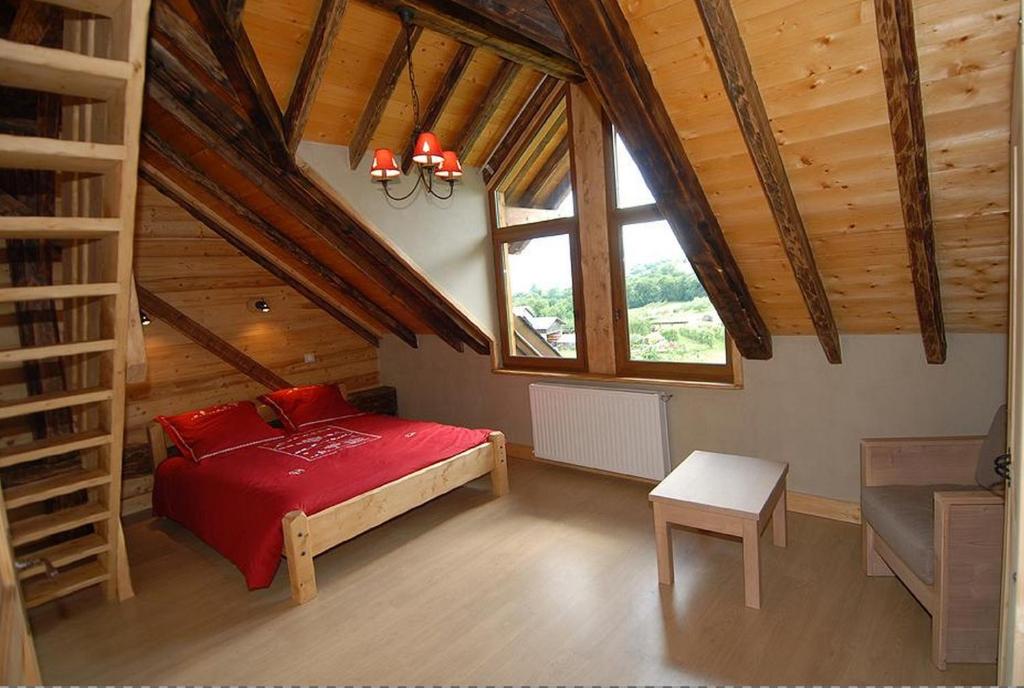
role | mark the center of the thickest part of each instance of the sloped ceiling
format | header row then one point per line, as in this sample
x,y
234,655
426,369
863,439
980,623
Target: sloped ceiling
x,y
818,67
280,32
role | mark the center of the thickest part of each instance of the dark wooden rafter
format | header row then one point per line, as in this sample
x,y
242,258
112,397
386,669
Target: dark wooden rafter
x,y
496,93
179,92
234,9
153,144
210,219
534,110
181,38
745,97
611,59
165,312
230,43
390,73
518,30
311,71
449,82
898,48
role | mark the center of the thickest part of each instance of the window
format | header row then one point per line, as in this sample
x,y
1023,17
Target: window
x,y
613,253
665,325
536,247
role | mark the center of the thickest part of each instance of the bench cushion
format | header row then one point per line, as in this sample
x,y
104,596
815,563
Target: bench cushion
x,y
904,516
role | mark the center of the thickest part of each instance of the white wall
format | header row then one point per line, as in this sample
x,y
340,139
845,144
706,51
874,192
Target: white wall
x,y
794,407
445,238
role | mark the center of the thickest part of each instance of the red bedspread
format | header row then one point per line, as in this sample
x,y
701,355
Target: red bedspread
x,y
235,502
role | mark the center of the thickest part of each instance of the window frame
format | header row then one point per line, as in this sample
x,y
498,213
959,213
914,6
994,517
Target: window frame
x,y
618,219
568,226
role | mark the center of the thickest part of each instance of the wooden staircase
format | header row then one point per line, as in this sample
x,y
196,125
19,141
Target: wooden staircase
x,y
58,550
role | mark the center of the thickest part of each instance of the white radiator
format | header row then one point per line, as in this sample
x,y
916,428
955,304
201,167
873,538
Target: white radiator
x,y
622,431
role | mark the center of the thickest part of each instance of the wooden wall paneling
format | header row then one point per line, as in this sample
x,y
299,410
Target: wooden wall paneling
x,y
203,184
393,69
897,44
281,264
436,106
158,308
588,153
745,97
611,59
312,204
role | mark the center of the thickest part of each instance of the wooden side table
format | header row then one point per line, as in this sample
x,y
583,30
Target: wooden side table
x,y
723,493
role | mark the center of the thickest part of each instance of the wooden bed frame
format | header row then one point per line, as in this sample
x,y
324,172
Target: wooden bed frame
x,y
307,536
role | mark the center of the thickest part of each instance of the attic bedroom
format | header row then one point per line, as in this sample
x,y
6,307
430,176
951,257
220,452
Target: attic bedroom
x,y
511,342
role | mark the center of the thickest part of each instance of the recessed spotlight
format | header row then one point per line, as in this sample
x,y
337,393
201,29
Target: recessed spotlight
x,y
260,305
144,318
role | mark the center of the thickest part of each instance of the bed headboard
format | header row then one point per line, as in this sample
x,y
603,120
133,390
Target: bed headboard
x,y
160,445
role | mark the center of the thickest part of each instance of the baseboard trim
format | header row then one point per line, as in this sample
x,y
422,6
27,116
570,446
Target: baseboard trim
x,y
796,502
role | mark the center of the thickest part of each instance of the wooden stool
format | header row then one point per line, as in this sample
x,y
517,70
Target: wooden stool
x,y
723,493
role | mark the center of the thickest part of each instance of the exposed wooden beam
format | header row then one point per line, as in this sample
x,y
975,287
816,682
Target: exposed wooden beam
x,y
234,9
544,95
611,59
392,70
542,179
496,92
230,43
153,144
449,82
526,158
165,312
514,29
311,72
898,48
32,20
202,213
745,97
178,92
181,38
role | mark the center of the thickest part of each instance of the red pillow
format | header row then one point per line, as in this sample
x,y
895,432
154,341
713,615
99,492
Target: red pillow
x,y
215,430
301,406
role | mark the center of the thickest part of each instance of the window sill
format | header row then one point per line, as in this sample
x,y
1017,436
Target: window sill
x,y
613,379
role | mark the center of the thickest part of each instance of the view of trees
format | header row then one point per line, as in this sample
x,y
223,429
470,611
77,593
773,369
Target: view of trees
x,y
670,316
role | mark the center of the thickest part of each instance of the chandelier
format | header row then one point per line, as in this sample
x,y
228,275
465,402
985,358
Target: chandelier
x,y
432,162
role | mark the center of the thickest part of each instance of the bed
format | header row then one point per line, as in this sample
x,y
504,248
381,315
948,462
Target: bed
x,y
304,493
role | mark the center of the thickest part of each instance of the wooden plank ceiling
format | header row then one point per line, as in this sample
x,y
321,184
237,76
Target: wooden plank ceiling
x,y
818,67
834,191
280,30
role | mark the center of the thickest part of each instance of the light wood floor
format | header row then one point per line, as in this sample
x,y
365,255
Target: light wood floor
x,y
556,583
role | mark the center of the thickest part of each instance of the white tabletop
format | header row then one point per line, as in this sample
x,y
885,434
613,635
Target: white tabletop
x,y
726,483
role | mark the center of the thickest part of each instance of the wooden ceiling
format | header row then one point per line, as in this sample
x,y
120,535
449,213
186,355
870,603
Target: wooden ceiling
x,y
818,68
280,30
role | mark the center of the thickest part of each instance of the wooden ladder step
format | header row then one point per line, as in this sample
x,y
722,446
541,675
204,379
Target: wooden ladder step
x,y
37,527
58,291
53,70
105,8
54,486
53,446
54,400
41,590
36,353
58,227
64,553
41,153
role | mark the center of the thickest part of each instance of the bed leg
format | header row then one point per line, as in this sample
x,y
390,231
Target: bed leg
x,y
499,474
300,556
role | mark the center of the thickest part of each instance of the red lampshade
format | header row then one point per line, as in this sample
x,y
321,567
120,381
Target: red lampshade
x,y
450,168
384,166
427,151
